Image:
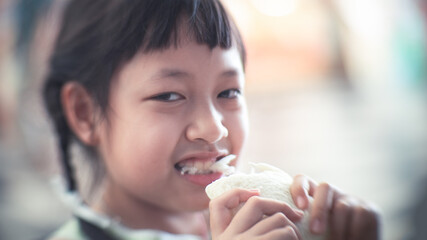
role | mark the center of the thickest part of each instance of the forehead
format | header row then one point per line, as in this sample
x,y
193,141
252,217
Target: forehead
x,y
188,59
190,53
186,35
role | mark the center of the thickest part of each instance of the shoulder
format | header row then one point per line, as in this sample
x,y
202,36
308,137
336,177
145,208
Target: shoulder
x,y
69,231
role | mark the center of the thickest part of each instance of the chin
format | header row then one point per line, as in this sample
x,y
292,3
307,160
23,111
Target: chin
x,y
195,204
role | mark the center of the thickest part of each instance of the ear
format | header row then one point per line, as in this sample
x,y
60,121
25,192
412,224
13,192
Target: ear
x,y
79,110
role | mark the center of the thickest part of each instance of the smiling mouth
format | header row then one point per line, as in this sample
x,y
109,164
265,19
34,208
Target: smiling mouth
x,y
207,167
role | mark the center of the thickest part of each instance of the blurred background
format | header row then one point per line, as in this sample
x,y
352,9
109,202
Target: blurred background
x,y
336,90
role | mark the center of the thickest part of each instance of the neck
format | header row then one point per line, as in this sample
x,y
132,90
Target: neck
x,y
132,214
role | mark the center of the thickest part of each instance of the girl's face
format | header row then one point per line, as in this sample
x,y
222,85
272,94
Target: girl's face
x,y
177,107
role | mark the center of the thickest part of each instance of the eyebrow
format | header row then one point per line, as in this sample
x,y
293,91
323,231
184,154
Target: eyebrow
x,y
179,74
170,73
230,73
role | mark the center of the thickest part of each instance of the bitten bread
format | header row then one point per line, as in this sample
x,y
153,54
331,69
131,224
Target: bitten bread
x,y
272,183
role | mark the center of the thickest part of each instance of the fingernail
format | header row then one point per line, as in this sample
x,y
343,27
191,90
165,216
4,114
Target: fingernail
x,y
317,227
300,202
254,190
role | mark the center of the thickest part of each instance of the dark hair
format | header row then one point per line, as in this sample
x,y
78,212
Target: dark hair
x,y
98,36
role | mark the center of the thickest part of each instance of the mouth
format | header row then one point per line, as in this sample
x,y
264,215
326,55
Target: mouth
x,y
200,167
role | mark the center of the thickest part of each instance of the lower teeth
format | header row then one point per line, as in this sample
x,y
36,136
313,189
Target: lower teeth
x,y
194,171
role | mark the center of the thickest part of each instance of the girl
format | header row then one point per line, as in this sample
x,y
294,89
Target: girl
x,y
149,88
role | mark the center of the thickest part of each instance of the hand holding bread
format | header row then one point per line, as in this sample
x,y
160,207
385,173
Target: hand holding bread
x,y
263,204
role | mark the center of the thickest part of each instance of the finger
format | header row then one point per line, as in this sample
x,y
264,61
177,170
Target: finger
x,y
365,224
302,187
322,204
256,208
270,223
221,208
286,233
341,216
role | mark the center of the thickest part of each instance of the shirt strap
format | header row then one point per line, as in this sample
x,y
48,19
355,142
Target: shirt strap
x,y
93,232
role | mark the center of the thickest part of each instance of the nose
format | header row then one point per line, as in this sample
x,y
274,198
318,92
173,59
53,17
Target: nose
x,y
207,125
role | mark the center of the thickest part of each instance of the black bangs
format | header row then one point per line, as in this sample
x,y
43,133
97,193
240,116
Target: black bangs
x,y
205,21
157,24
210,25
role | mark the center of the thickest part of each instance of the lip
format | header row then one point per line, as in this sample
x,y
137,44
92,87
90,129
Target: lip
x,y
204,179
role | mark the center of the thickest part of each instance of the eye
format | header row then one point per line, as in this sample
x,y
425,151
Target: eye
x,y
167,97
230,93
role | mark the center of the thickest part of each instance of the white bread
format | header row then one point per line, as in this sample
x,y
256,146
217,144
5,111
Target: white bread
x,y
272,183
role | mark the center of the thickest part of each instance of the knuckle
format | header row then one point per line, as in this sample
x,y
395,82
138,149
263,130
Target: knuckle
x,y
322,208
362,211
282,233
299,176
368,218
281,217
342,205
289,233
254,201
370,214
215,204
320,213
236,191
325,186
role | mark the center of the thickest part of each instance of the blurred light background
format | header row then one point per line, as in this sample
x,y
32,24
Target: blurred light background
x,y
336,90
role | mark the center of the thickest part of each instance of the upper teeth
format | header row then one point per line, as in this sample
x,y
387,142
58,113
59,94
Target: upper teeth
x,y
204,167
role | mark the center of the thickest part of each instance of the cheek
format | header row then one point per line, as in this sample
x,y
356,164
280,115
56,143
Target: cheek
x,y
136,148
238,130
146,142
